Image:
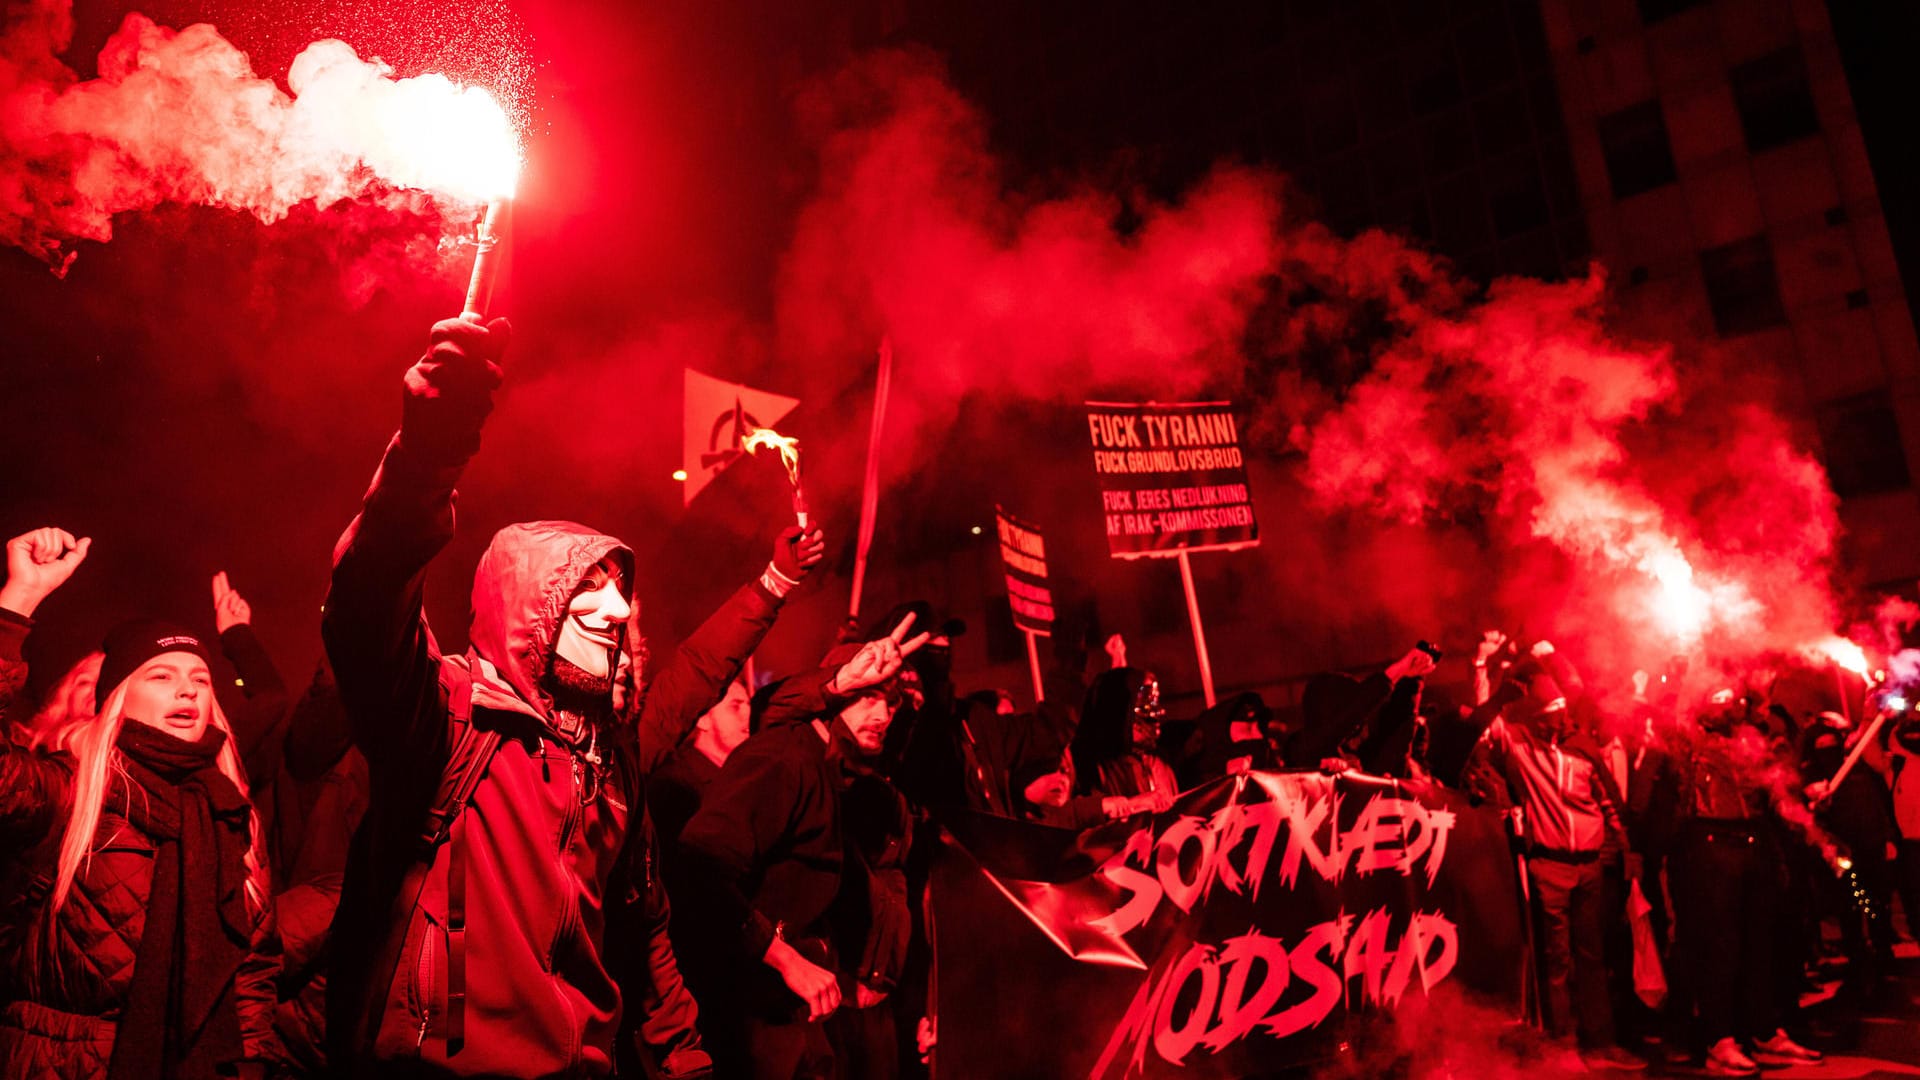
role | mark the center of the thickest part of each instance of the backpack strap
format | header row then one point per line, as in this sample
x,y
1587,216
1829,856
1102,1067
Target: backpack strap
x,y
484,745
468,756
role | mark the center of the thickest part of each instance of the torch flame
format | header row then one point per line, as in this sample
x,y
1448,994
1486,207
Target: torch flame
x,y
788,446
1844,653
1681,605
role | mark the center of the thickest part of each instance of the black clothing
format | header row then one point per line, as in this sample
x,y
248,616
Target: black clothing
x,y
676,789
1725,883
764,850
181,1017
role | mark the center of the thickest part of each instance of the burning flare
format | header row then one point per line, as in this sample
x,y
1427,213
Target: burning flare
x,y
767,438
1844,653
789,447
180,116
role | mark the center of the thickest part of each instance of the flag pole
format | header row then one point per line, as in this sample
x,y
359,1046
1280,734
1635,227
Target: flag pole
x,y
1199,632
870,486
1033,664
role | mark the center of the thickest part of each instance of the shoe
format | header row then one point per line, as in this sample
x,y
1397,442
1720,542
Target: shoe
x,y
1781,1045
1726,1059
1613,1058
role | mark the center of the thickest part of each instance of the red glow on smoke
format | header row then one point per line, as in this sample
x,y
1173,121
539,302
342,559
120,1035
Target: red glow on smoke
x,y
179,116
1526,408
1844,653
915,234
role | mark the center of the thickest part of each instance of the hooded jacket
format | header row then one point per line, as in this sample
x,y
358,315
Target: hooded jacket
x,y
541,832
544,831
1105,760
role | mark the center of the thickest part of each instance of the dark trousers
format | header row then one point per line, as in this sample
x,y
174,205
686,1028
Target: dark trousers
x,y
1908,868
1570,903
865,1041
1867,937
1726,885
791,1050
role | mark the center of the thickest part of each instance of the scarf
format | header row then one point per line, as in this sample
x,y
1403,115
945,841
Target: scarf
x,y
181,1019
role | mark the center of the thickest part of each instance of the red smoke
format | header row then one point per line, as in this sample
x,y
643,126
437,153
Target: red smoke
x,y
1525,408
180,117
1632,506
914,232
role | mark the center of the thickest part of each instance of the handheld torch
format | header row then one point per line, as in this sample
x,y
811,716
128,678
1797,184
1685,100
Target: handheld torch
x,y
485,261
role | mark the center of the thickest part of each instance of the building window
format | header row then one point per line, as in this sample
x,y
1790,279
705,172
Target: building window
x,y
1742,288
1864,453
1515,194
1634,141
1776,104
1652,11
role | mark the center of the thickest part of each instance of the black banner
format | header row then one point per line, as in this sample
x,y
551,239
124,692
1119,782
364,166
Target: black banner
x,y
1172,478
1251,928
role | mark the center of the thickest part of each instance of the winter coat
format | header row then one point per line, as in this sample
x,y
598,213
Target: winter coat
x,y
64,991
543,832
765,850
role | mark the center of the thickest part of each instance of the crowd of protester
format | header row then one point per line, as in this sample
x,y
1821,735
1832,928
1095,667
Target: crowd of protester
x,y
556,854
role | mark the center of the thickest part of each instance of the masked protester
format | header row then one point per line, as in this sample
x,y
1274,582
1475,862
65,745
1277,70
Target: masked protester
x,y
503,782
1726,872
143,945
1227,739
1572,827
1903,757
1115,747
765,860
1858,813
1370,723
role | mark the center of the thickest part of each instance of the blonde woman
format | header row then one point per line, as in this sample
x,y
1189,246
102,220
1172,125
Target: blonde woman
x,y
137,946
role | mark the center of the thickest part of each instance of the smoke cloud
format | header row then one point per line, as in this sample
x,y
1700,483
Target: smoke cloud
x,y
1635,506
178,116
1433,451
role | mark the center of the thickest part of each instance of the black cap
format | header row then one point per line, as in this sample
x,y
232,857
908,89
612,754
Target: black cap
x,y
133,643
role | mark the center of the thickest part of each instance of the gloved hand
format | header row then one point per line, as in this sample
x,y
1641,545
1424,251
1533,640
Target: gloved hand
x,y
450,390
797,551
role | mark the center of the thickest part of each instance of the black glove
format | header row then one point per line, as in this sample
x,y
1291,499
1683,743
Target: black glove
x,y
796,552
449,392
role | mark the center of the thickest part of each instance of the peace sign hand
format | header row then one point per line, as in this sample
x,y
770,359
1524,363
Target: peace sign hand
x,y
878,660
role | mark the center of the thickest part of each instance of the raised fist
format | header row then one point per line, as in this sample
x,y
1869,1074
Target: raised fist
x,y
450,390
39,562
1490,642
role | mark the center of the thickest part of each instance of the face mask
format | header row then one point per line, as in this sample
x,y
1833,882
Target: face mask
x,y
1146,701
594,622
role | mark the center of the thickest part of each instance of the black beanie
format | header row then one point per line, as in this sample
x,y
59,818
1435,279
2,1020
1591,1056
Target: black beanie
x,y
133,643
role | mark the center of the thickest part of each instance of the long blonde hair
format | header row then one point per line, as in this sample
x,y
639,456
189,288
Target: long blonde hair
x,y
94,755
50,727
